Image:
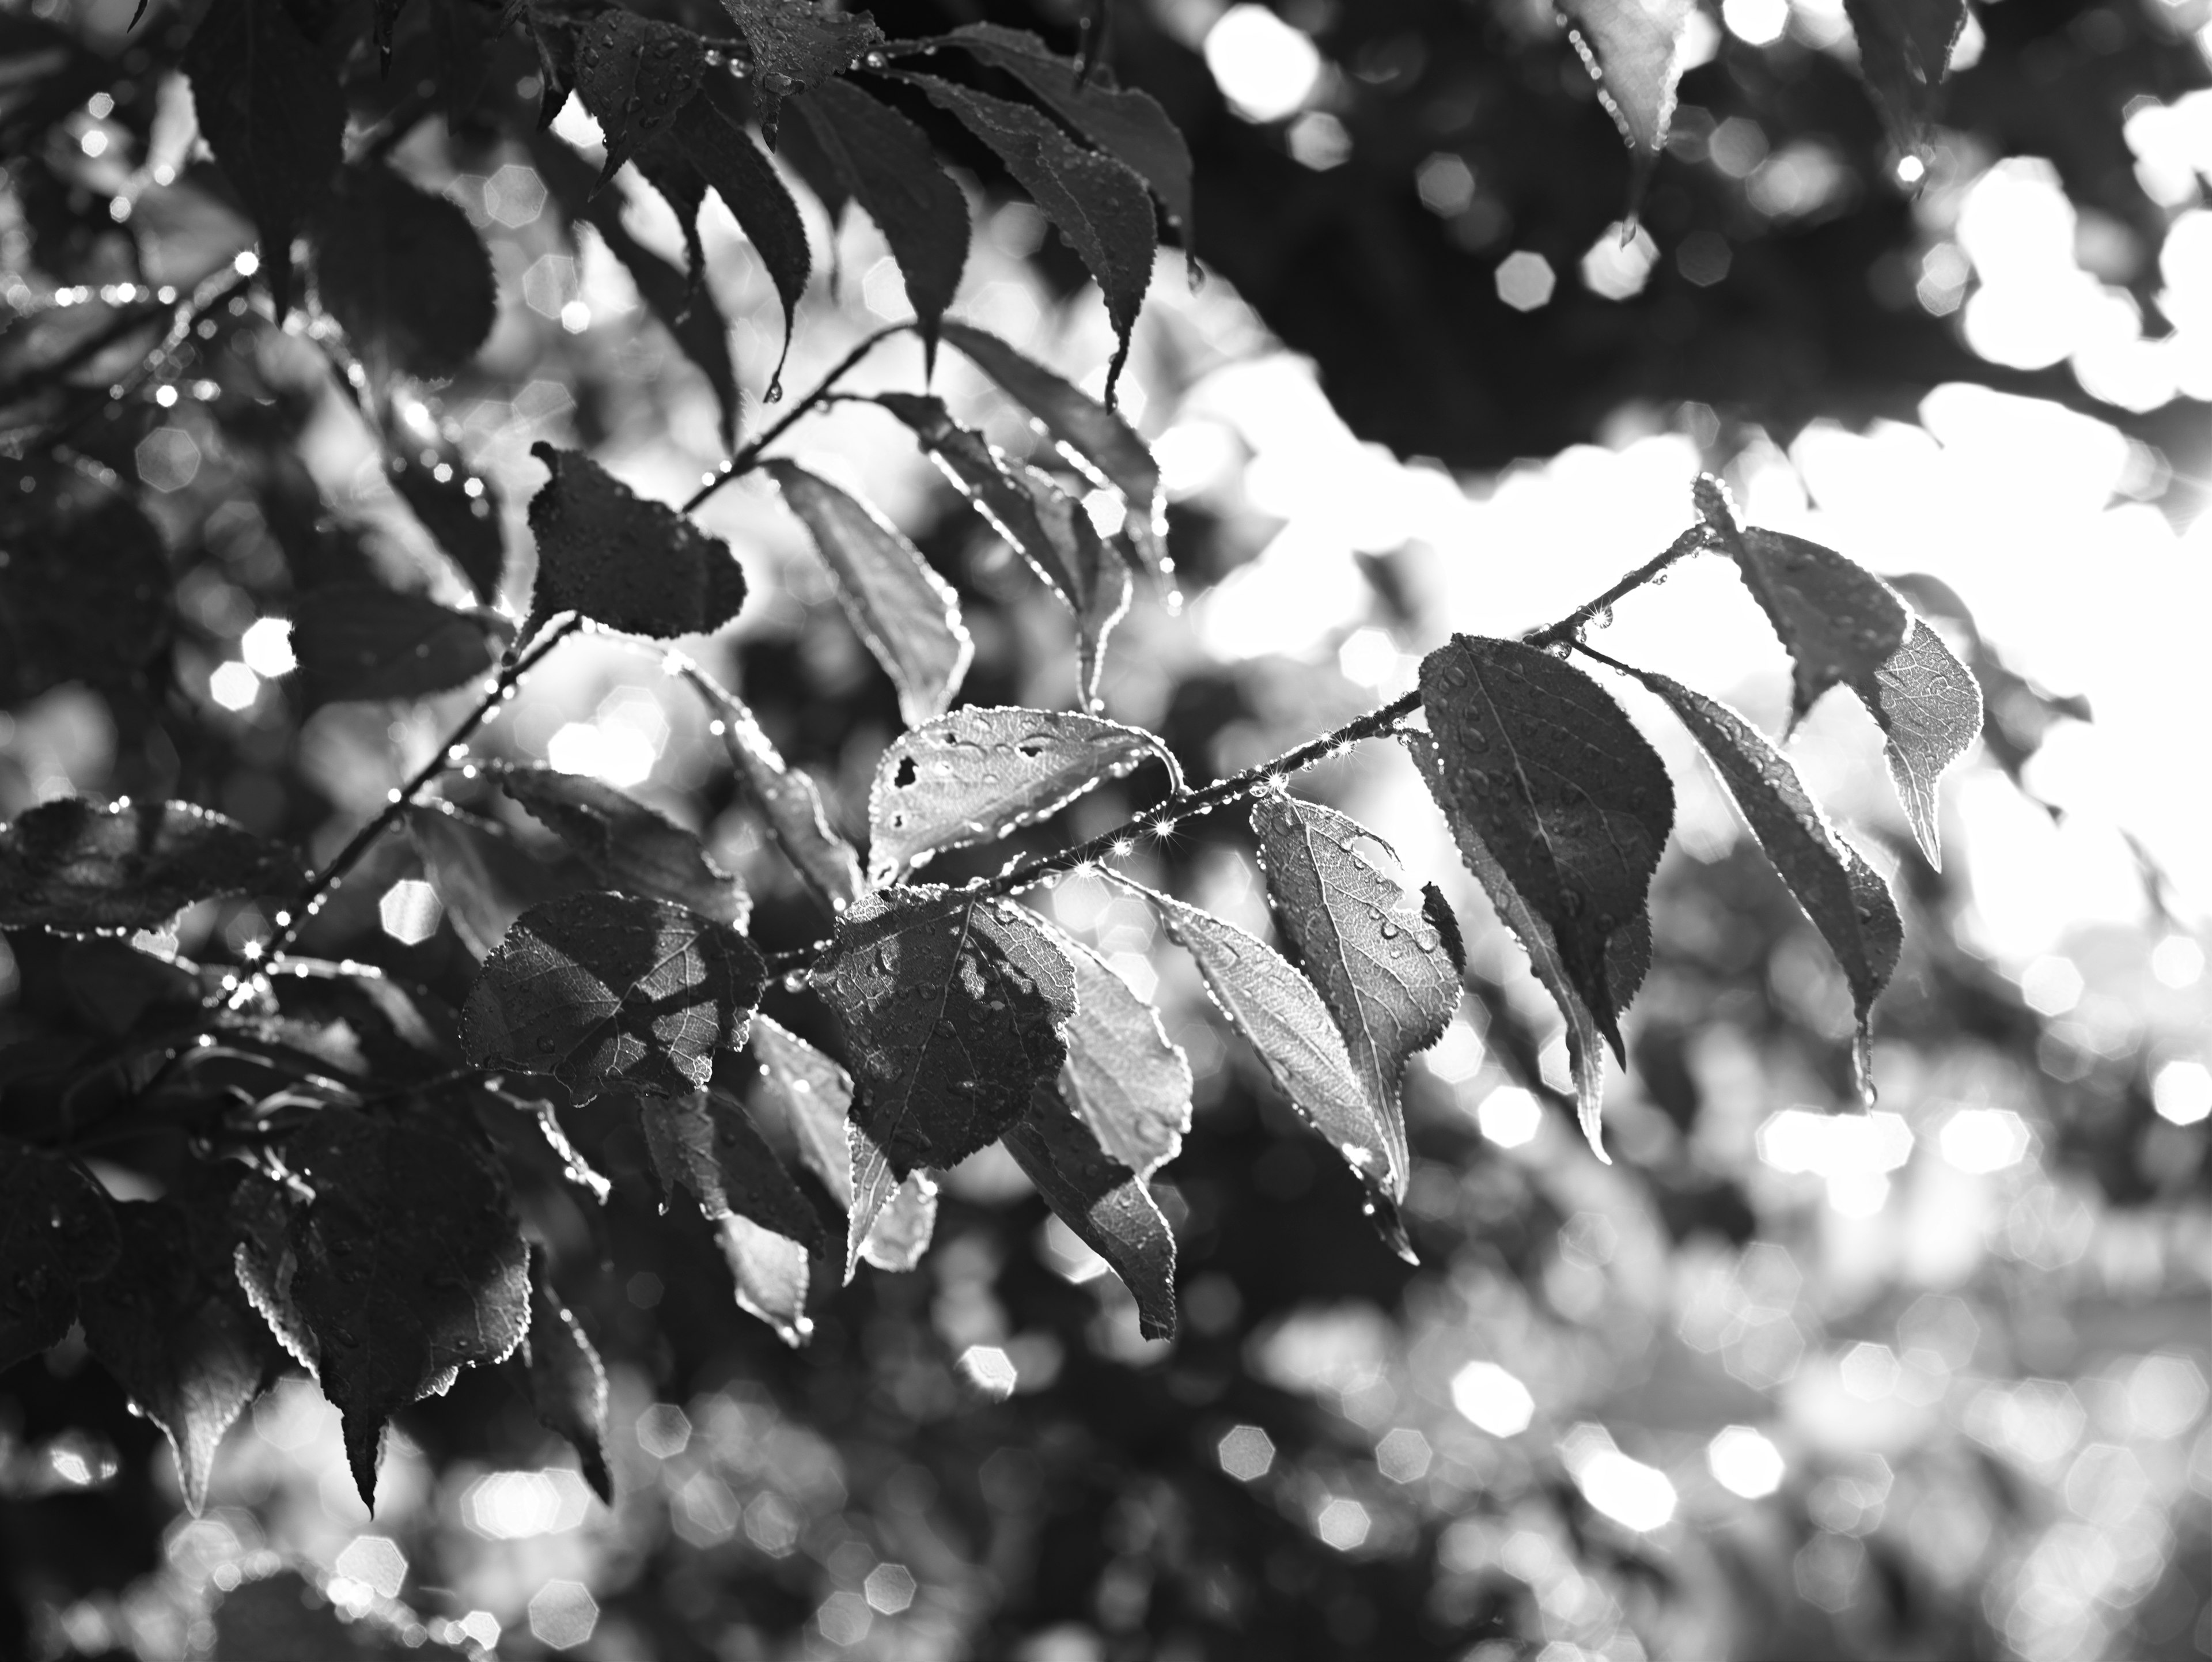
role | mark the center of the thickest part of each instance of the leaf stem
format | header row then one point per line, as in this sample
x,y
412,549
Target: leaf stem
x,y
744,459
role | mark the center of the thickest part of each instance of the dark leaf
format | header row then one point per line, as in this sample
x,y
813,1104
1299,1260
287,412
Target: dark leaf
x,y
601,989
704,1142
669,170
728,159
70,864
405,273
365,640
368,1024
976,775
638,567
565,1380
907,614
1905,53
57,1232
636,75
628,845
1125,1079
483,878
951,1010
1634,51
385,17
1929,707
788,801
84,585
1103,1202
456,505
270,108
798,47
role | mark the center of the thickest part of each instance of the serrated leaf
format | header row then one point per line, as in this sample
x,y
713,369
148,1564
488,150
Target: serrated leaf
x,y
668,168
1845,898
798,47
270,108
1283,1018
435,480
952,1008
703,1140
636,75
1103,1202
1363,937
404,273
1090,435
405,1267
907,615
629,846
57,1232
1125,1079
1554,779
70,864
1633,49
789,800
564,1378
886,163
636,566
363,641
601,989
481,877
84,589
1127,125
976,775
1098,205
1840,622
728,160
1905,55
1929,707
170,1324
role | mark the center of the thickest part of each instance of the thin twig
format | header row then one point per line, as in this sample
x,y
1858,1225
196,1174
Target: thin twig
x,y
211,301
124,323
1571,626
750,453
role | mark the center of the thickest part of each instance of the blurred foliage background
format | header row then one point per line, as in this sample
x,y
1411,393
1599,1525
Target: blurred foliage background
x,y
1784,1381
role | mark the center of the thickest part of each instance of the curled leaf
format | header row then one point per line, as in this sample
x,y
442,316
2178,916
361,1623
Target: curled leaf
x,y
629,846
1103,1202
636,566
70,864
483,879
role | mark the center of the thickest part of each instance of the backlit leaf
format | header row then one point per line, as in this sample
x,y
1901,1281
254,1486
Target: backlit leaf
x,y
1125,1079
772,1273
902,1231
601,989
728,159
84,590
789,801
57,1232
798,45
629,846
1905,53
1929,707
976,775
636,566
1103,1202
365,640
908,615
405,274
1634,50
70,864
636,75
564,1378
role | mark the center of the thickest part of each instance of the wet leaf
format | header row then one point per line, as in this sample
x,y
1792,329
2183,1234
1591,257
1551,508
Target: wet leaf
x,y
1103,1202
628,845
900,1234
564,1379
404,273
601,989
636,566
908,615
798,47
1125,1079
363,641
728,160
57,1232
70,864
456,505
951,1009
977,774
636,75
1905,54
790,802
84,589
481,876
772,1273
1929,707
1634,51
704,1141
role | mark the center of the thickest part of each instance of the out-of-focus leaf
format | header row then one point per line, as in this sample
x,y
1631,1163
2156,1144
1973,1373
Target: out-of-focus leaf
x,y
270,108
57,1232
358,641
1905,53
772,1273
636,75
70,864
1929,707
951,1010
1125,1078
728,160
1103,1202
601,989
288,1617
789,800
84,588
703,1140
1361,932
636,566
564,1378
907,614
976,775
631,847
483,878
798,47
900,1234
1634,51
456,505
405,272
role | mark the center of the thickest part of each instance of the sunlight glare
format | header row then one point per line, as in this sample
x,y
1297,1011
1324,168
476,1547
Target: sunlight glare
x,y
1492,1400
1264,68
1745,1462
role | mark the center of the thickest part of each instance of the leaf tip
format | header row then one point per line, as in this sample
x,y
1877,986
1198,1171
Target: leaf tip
x,y
364,1446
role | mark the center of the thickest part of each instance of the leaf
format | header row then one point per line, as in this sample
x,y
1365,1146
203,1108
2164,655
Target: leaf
x,y
270,108
772,1272
797,47
1283,1018
57,1232
900,1234
483,878
1845,898
1103,1202
1099,206
1560,788
886,163
976,775
1090,435
1633,49
1929,707
629,846
1363,937
1905,55
951,1009
791,803
363,641
170,1324
703,1140
70,864
638,567
564,1378
405,274
907,614
404,1267
84,588
1125,1079
728,160
457,505
1127,125
601,989
636,75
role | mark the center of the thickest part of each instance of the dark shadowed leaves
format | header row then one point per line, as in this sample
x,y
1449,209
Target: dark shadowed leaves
x,y
84,588
564,1378
636,75
1125,1078
269,108
728,160
1929,707
1103,1202
628,845
1635,52
483,878
1361,932
602,990
976,775
71,864
704,1141
908,615
57,1230
951,1010
365,640
404,273
456,505
636,566
1904,52
798,45
789,800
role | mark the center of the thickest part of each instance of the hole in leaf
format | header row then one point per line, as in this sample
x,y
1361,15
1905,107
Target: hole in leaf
x,y
906,775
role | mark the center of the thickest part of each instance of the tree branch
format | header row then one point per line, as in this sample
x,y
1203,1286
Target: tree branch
x,y
744,459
